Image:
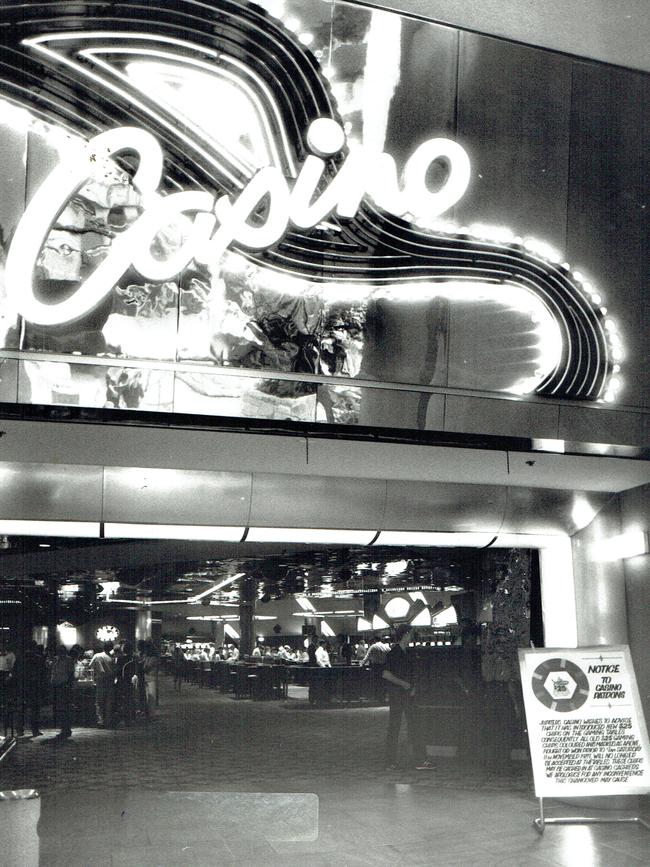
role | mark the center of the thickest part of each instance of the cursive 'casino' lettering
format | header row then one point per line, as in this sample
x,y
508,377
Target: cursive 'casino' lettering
x,y
216,223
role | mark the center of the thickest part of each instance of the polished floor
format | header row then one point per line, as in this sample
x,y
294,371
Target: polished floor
x,y
214,781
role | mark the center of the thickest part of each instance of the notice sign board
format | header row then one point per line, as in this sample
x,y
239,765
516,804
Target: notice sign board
x,y
586,728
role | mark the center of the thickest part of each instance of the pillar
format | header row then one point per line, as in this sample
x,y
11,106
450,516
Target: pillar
x,y
52,614
247,594
143,625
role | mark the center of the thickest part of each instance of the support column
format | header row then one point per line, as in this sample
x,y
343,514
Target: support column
x,y
247,594
52,614
218,635
143,625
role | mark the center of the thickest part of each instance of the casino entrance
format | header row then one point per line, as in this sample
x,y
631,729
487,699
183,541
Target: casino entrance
x,y
241,626
477,569
478,564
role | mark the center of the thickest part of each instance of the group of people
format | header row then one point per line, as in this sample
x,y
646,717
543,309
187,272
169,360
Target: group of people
x,y
125,682
28,680
205,651
316,652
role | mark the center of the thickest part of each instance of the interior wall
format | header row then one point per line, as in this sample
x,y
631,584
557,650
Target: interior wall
x,y
613,598
635,515
613,33
599,586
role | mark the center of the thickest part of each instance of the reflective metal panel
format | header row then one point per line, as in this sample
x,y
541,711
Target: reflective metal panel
x,y
176,496
13,147
607,226
8,380
244,396
317,501
122,445
575,472
385,460
380,407
540,510
514,105
444,506
501,417
600,586
586,424
55,492
119,387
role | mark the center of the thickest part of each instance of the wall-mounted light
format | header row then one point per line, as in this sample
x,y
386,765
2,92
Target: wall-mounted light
x,y
632,543
582,512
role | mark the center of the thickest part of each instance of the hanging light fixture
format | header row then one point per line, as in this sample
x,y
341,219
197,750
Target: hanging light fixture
x,y
378,622
423,618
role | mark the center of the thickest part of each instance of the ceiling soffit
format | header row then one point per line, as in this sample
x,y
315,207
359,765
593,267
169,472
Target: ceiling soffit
x,y
57,492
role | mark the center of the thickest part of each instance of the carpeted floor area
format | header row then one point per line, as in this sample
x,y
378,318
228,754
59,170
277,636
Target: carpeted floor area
x,y
311,789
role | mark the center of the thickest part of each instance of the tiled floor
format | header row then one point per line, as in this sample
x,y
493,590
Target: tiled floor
x,y
124,798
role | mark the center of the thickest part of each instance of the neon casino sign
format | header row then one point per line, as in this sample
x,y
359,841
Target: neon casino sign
x,y
218,222
294,182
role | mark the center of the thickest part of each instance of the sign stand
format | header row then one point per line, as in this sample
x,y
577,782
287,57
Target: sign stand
x,y
586,730
540,823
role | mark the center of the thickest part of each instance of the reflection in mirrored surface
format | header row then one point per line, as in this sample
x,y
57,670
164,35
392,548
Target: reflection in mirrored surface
x,y
60,383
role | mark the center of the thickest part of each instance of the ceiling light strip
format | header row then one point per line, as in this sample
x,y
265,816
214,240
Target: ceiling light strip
x,y
83,529
311,535
193,532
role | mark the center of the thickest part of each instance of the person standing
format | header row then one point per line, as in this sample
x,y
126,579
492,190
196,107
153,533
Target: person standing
x,y
376,658
7,662
141,695
361,650
31,689
345,650
102,666
62,681
322,656
150,674
399,675
124,685
178,666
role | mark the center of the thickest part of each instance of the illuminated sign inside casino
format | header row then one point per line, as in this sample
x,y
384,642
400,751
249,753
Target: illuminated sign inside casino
x,y
209,204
